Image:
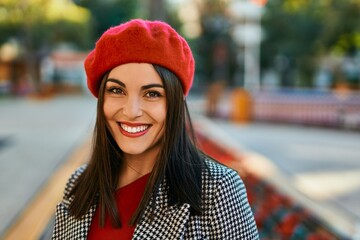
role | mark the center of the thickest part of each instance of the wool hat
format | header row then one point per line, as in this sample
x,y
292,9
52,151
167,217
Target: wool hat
x,y
140,41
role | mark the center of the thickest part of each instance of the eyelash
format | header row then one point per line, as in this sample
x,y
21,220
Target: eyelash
x,y
115,90
150,94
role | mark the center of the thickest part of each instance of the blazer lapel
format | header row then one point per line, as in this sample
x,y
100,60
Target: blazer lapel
x,y
75,229
167,222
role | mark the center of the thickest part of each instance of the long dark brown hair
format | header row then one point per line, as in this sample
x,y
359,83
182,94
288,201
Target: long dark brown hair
x,y
179,161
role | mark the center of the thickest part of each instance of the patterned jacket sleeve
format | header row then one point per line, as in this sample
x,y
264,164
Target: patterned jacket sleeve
x,y
64,223
231,215
71,183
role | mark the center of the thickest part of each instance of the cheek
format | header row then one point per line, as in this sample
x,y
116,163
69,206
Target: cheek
x,y
109,108
108,116
159,113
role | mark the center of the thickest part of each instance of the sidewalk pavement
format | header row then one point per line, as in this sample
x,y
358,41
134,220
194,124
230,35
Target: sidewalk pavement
x,y
36,137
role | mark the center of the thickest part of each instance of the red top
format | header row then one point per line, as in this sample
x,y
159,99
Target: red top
x,y
127,200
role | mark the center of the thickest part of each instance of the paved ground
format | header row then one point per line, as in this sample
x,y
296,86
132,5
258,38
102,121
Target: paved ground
x,y
36,136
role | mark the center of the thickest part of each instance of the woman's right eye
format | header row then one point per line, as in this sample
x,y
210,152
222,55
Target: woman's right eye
x,y
115,90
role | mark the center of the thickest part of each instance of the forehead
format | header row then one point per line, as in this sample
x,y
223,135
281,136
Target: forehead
x,y
135,74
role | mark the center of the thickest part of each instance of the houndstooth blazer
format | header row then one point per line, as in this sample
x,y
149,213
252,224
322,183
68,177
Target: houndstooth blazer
x,y
227,214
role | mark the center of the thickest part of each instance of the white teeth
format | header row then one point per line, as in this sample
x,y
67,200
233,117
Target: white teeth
x,y
133,129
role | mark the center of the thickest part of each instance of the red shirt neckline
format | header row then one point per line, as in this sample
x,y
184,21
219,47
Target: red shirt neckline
x,y
127,200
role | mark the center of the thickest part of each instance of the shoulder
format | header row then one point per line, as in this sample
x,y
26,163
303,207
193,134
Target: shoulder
x,y
226,203
217,173
73,179
220,182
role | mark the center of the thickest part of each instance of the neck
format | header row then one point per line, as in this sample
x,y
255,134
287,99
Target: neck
x,y
129,174
141,164
140,173
135,167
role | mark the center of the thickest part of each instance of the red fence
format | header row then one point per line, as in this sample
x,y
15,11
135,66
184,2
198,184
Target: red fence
x,y
328,109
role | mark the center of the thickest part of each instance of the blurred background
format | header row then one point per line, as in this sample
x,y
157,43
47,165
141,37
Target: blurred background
x,y
276,96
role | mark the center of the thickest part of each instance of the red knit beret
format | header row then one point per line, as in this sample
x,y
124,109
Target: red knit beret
x,y
140,41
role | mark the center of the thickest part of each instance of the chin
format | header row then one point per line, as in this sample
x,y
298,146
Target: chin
x,y
130,150
134,149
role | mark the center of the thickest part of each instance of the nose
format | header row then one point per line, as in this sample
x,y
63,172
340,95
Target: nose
x,y
132,108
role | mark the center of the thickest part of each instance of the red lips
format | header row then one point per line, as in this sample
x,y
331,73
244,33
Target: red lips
x,y
133,129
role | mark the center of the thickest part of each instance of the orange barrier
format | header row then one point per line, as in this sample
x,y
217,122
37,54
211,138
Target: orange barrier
x,y
241,106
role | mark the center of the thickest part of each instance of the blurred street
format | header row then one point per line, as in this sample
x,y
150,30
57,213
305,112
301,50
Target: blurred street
x,y
276,96
320,168
36,137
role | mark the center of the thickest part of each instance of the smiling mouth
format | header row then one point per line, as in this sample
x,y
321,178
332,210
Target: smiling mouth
x,y
133,129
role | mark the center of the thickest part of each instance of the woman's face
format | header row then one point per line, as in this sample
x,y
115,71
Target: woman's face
x,y
135,108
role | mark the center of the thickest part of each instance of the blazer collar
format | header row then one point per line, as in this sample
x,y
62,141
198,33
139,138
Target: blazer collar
x,y
167,222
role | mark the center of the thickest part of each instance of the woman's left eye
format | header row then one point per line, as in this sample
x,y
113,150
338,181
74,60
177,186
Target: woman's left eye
x,y
152,94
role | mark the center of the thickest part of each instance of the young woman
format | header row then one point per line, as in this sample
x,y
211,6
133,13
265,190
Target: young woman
x,y
146,179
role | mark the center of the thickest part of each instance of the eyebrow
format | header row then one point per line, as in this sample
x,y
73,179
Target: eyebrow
x,y
142,88
116,81
151,86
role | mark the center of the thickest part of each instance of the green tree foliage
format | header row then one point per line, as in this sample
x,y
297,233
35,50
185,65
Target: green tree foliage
x,y
39,23
107,13
215,31
304,30
38,26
